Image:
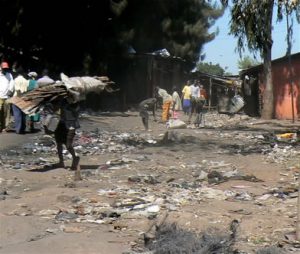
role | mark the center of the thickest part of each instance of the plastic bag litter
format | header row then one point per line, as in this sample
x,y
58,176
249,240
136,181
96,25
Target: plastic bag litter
x,y
162,52
286,136
176,124
50,123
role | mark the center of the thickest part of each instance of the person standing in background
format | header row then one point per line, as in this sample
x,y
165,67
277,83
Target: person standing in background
x,y
202,101
186,98
21,85
199,104
7,86
194,95
177,106
202,92
31,119
45,79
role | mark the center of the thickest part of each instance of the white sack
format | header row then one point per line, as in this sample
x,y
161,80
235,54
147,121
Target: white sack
x,y
79,87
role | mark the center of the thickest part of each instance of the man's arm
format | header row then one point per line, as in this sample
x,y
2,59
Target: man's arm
x,y
11,87
182,93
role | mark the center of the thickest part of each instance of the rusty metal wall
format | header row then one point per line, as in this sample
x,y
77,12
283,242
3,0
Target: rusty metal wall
x,y
284,77
284,74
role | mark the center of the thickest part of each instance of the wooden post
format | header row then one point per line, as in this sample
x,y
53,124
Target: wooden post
x,y
210,94
289,35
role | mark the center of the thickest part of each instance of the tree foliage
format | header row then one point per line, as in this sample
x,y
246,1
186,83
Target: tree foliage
x,y
180,26
66,35
60,34
209,68
251,21
247,62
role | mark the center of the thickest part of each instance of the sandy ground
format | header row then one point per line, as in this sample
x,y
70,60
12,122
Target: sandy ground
x,y
35,196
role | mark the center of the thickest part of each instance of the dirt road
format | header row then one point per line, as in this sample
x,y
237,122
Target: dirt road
x,y
234,168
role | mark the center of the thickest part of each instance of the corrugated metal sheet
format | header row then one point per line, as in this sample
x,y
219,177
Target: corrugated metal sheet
x,y
286,77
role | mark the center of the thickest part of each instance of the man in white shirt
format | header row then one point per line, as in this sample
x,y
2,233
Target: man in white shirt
x,y
21,85
6,90
195,93
194,90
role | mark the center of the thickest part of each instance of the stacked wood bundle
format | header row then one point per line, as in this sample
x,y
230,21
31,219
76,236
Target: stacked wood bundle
x,y
74,89
33,101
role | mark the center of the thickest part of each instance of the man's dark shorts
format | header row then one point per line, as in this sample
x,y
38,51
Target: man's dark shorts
x,y
64,135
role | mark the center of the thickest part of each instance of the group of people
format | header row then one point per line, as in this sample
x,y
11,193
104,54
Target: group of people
x,y
14,83
193,99
171,105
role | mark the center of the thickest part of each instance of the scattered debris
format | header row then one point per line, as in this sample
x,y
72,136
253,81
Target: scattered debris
x,y
133,184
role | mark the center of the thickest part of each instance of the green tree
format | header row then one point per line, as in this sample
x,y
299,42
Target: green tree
x,y
251,23
247,62
209,68
179,26
55,34
71,36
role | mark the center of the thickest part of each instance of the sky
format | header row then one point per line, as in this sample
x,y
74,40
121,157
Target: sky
x,y
222,49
